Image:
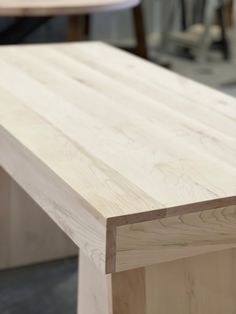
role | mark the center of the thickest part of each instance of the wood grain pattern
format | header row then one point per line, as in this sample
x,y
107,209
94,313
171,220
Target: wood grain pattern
x,y
199,285
176,237
54,196
129,292
61,7
110,294
118,143
94,289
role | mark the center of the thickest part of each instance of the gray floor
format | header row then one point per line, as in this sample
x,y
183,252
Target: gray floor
x,y
42,289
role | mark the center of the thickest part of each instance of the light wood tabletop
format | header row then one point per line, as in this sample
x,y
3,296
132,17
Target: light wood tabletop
x,y
136,164
61,7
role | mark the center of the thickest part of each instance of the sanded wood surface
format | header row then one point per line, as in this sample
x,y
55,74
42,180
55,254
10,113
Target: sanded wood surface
x,y
198,285
176,237
61,7
105,140
110,294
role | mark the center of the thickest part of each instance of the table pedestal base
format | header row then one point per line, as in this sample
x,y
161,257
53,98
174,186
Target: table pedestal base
x,y
204,284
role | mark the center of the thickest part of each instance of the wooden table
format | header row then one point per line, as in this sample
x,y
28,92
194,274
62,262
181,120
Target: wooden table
x,y
61,7
136,165
32,14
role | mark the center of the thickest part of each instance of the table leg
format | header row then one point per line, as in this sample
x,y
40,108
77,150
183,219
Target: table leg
x,y
225,45
204,284
140,34
77,27
110,294
183,15
27,234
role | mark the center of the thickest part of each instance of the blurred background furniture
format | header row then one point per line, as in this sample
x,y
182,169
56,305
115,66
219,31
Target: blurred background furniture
x,y
203,24
31,15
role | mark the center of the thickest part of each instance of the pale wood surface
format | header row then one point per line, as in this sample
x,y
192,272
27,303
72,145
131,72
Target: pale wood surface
x,y
61,7
94,289
27,234
110,294
167,239
109,140
53,195
199,285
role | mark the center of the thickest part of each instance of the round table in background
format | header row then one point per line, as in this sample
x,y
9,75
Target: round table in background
x,y
31,14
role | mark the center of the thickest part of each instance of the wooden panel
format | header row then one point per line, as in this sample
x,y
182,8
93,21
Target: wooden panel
x,y
110,294
27,234
105,191
172,111
57,7
94,289
163,173
177,237
199,285
128,292
183,96
53,197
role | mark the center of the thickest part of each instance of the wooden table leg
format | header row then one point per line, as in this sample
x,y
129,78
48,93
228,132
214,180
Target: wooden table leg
x,y
110,294
204,284
27,234
77,27
140,33
224,43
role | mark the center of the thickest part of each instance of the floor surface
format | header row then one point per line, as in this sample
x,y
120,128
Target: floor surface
x,y
42,289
